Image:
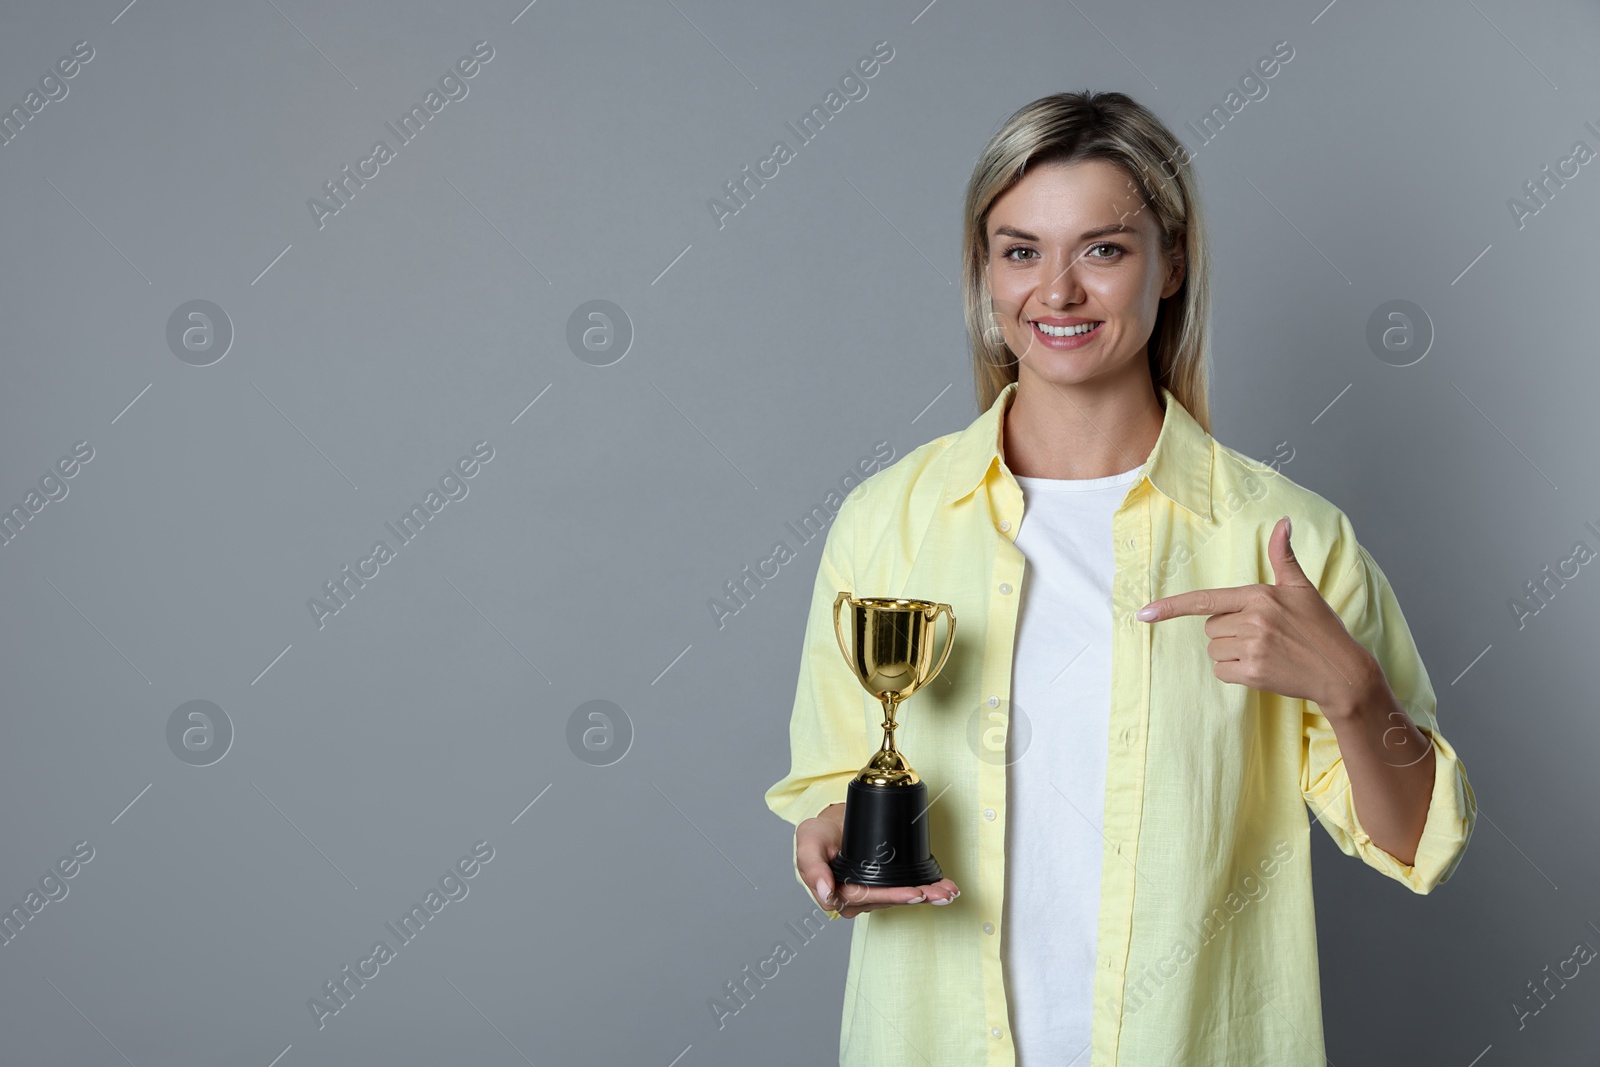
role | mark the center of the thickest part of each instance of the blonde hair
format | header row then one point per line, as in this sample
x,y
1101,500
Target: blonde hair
x,y
1109,126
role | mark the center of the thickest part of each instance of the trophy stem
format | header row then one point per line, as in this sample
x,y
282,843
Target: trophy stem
x,y
888,766
890,702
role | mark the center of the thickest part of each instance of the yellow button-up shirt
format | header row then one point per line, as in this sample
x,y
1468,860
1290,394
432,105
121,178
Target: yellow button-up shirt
x,y
1207,948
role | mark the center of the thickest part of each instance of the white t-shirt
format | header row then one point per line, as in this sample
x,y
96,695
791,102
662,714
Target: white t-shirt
x,y
1056,774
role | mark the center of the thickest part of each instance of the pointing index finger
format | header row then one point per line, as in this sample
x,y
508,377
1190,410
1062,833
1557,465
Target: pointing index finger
x,y
1194,602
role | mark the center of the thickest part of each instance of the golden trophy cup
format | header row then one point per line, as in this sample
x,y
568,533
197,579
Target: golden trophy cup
x,y
891,654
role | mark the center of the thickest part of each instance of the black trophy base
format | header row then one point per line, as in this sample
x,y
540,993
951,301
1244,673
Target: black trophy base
x,y
885,841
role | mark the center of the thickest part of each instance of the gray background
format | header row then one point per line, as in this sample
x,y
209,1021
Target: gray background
x,y
768,356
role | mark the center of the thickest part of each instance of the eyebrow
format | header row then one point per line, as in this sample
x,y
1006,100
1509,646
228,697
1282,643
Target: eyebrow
x,y
1101,231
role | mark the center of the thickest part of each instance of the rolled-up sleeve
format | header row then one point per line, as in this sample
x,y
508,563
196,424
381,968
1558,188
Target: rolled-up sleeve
x,y
828,740
1364,600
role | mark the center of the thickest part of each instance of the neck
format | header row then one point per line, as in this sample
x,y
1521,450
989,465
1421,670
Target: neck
x,y
1051,431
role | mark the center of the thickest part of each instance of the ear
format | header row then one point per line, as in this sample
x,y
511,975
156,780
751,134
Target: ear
x,y
1178,266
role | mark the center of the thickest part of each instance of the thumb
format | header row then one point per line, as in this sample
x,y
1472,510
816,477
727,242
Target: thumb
x,y
1285,568
813,851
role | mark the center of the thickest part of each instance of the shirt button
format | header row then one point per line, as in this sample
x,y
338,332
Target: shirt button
x,y
988,813
1005,588
988,928
1005,524
995,1030
1130,542
1128,735
994,702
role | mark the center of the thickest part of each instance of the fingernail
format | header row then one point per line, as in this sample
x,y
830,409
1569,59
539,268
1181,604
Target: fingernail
x,y
823,892
1145,614
944,900
918,899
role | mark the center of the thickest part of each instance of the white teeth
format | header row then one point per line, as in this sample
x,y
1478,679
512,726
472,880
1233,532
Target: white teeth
x,y
1065,331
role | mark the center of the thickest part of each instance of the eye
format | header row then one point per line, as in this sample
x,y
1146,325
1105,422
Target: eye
x,y
1015,248
1106,244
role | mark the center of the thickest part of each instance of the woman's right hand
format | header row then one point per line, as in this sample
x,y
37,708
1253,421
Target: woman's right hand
x,y
817,841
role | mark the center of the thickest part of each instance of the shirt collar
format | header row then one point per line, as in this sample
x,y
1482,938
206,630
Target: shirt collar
x,y
1179,466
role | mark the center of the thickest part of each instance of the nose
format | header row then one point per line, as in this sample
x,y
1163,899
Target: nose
x,y
1062,288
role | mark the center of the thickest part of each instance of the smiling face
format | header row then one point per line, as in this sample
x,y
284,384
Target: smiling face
x,y
1076,273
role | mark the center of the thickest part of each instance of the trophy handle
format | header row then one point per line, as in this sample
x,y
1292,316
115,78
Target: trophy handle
x,y
838,603
949,639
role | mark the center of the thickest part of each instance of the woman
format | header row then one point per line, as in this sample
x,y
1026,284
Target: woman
x,y
1149,682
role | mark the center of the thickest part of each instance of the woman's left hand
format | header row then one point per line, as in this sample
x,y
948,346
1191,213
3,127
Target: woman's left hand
x,y
1282,638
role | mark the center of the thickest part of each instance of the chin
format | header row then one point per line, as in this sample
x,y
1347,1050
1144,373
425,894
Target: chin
x,y
1069,369
1074,365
